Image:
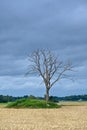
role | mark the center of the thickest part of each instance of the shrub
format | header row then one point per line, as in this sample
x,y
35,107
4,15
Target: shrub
x,y
32,103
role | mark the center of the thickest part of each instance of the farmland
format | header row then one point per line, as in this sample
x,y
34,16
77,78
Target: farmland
x,y
72,116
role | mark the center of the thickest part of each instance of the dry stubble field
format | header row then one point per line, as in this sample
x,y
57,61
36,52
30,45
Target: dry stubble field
x,y
70,117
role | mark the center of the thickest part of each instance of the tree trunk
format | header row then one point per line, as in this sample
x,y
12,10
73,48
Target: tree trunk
x,y
47,94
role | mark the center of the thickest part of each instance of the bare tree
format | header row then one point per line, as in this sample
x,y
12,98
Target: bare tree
x,y
46,64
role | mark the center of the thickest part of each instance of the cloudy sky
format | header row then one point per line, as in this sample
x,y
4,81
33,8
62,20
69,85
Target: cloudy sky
x,y
26,25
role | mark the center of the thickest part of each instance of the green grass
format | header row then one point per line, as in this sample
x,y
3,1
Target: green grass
x,y
32,103
2,105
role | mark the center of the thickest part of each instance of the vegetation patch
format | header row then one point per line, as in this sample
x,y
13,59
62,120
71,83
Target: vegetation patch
x,y
32,103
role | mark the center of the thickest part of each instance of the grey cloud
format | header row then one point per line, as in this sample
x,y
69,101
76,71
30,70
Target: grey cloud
x,y
13,66
8,82
18,86
27,25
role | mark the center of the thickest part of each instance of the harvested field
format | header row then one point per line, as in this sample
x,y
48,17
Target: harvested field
x,y
65,118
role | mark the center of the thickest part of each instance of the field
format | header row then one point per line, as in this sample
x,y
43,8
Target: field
x,y
72,116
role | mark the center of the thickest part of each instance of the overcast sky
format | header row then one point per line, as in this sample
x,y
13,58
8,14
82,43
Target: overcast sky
x,y
26,25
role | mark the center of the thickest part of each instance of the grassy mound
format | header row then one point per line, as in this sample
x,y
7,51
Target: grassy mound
x,y
32,103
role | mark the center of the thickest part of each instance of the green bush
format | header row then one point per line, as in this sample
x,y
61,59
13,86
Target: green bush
x,y
32,103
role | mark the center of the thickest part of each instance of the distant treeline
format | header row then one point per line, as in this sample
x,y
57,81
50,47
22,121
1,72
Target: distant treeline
x,y
71,98
4,99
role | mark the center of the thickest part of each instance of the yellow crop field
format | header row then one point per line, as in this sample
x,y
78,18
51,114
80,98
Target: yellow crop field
x,y
69,117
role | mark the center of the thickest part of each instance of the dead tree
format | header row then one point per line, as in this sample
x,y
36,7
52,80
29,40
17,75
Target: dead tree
x,y
47,65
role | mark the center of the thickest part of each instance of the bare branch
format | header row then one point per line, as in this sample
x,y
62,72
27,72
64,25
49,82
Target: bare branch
x,y
49,67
